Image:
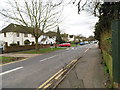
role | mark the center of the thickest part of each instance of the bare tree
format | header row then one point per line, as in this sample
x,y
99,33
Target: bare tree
x,y
39,15
91,6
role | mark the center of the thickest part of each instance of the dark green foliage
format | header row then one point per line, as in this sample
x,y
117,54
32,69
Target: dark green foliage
x,y
13,44
58,36
26,42
109,11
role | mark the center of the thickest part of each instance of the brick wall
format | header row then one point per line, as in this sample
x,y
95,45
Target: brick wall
x,y
21,48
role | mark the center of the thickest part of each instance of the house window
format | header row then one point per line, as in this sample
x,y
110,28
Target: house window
x,y
25,35
17,34
4,34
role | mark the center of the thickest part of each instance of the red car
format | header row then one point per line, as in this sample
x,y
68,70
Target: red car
x,y
65,45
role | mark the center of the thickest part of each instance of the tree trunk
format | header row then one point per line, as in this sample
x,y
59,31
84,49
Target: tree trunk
x,y
55,45
36,45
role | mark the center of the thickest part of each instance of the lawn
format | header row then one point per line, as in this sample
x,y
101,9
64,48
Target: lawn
x,y
4,60
41,51
74,45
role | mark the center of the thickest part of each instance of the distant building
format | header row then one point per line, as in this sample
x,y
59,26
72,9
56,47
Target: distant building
x,y
71,38
48,38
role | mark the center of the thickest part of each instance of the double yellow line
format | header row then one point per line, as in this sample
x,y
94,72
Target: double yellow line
x,y
47,84
56,76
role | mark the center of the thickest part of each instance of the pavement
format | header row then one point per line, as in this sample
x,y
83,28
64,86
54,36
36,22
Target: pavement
x,y
88,73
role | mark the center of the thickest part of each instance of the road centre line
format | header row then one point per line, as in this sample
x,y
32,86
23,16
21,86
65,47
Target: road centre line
x,y
48,58
10,71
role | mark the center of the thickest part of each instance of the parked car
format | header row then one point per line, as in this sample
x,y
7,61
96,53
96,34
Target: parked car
x,y
82,43
86,42
95,42
65,45
1,49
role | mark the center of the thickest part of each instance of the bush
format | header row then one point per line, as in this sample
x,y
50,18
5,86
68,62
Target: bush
x,y
27,42
13,44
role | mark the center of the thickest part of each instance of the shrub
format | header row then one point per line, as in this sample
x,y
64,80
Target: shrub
x,y
27,42
13,44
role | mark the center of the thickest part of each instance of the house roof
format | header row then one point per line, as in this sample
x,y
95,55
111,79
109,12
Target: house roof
x,y
23,29
43,39
50,33
16,28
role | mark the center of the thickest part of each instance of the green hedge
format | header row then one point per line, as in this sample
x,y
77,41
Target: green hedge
x,y
108,60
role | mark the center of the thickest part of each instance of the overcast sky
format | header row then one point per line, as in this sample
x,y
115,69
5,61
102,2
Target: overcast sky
x,y
72,23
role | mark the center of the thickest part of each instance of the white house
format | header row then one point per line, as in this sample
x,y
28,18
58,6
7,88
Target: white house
x,y
48,38
71,38
14,33
12,37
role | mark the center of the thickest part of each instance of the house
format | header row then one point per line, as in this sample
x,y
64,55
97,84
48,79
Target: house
x,y
71,38
48,38
18,34
14,33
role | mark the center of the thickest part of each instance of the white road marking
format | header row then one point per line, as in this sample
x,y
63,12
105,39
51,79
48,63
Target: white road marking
x,y
48,58
67,48
11,71
73,48
88,49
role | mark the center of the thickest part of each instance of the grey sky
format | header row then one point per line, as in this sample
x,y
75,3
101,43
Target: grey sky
x,y
72,22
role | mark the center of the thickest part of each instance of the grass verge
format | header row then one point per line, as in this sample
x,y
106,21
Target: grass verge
x,y
41,51
108,83
4,60
74,45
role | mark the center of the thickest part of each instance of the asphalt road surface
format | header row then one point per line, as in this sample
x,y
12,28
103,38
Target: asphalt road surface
x,y
31,73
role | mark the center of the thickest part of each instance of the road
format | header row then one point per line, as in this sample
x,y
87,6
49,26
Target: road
x,y
31,73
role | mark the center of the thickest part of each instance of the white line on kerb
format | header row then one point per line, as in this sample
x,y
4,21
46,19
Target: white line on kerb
x,y
88,49
11,71
48,58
